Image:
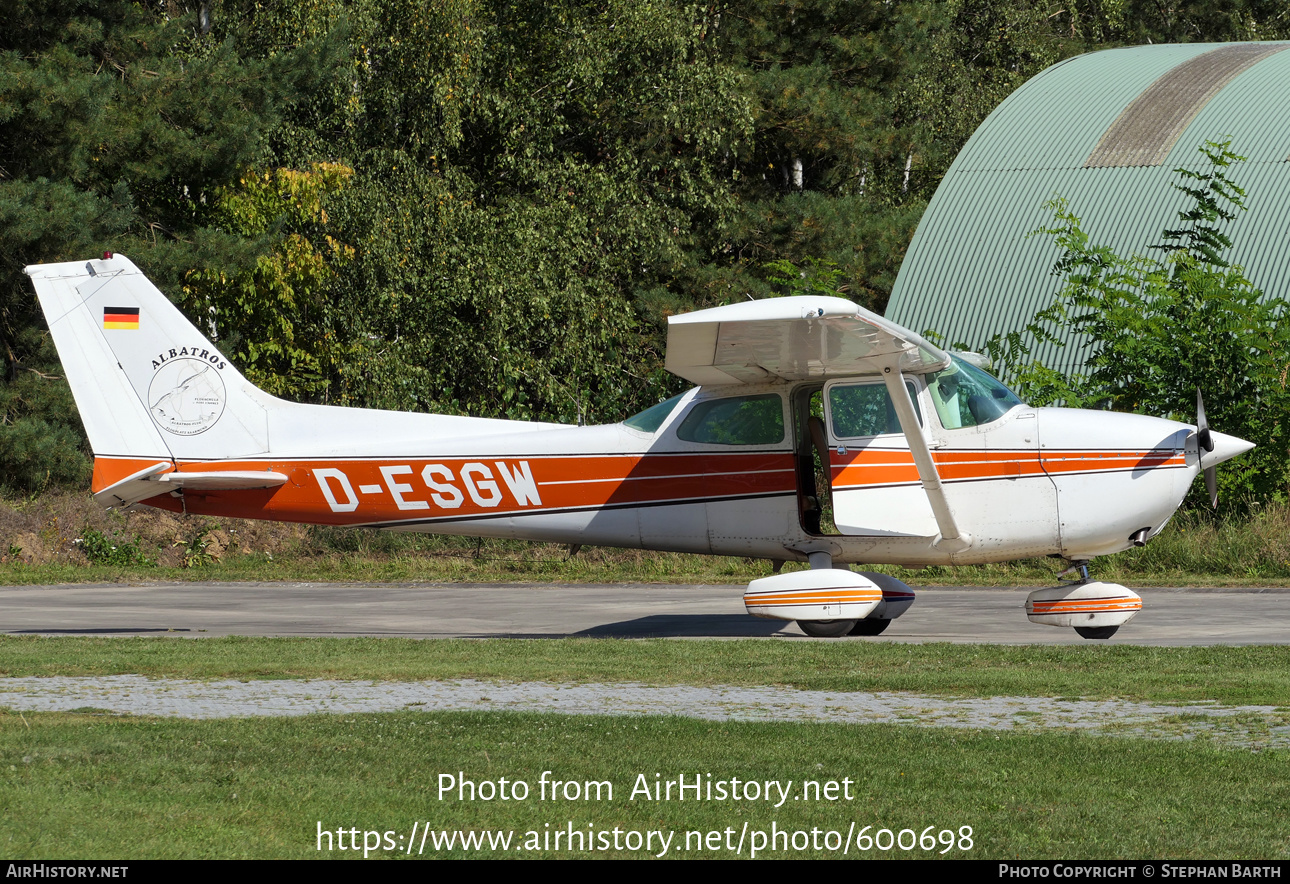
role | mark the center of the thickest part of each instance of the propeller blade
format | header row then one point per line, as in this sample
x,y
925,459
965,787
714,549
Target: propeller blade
x,y
1211,485
1203,437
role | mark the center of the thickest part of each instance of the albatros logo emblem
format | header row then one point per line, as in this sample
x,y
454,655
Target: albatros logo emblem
x,y
186,396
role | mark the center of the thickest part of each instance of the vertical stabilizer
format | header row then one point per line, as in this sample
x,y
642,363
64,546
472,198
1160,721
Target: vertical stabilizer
x,y
147,382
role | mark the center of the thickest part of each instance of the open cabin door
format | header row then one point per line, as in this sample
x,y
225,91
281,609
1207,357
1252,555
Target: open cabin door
x,y
874,482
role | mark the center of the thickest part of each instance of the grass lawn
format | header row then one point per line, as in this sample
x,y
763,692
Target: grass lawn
x,y
103,786
1232,675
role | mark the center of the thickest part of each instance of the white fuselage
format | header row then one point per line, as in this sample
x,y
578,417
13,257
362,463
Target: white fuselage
x,y
795,446
1032,482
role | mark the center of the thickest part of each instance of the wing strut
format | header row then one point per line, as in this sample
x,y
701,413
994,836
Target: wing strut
x,y
951,538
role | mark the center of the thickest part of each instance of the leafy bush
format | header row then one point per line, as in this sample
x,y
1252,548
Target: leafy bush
x,y
197,553
102,550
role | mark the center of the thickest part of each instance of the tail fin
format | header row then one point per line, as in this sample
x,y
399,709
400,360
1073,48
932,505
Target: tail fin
x,y
161,404
149,385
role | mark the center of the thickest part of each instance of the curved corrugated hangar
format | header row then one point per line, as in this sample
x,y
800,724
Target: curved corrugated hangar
x,y
1105,132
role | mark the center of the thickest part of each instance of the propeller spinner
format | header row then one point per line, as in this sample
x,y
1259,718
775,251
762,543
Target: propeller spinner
x,y
1214,448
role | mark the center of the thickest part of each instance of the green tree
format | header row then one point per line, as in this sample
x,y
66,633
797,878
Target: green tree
x,y
860,109
824,175
119,122
529,180
1197,21
276,320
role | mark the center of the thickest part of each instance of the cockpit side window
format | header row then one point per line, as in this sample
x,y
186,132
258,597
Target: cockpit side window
x,y
966,396
739,420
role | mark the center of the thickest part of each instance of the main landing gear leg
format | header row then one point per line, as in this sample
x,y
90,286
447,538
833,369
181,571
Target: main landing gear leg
x,y
819,560
1095,610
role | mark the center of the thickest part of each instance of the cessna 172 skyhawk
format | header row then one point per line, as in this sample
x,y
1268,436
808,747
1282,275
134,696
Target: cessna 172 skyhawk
x,y
930,460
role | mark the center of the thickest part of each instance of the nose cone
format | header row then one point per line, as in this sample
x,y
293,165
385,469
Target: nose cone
x,y
1225,448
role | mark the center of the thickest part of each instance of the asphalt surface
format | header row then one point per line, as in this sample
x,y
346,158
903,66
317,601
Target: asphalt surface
x,y
950,614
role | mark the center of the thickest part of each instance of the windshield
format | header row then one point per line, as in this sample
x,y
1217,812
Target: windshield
x,y
649,420
966,396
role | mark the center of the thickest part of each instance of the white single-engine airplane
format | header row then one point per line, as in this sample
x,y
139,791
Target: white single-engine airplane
x,y
927,459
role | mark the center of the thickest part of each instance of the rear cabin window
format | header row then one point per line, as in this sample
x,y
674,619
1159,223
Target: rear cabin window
x,y
742,420
866,410
649,420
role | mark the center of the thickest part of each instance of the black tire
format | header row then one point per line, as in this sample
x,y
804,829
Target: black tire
x,y
826,628
1096,631
870,626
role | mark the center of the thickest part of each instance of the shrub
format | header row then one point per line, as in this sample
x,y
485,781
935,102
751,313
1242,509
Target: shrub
x,y
102,550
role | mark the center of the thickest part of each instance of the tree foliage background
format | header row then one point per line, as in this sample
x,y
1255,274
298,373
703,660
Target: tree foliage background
x,y
489,206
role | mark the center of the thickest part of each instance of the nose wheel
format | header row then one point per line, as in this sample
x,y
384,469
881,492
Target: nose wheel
x,y
1095,610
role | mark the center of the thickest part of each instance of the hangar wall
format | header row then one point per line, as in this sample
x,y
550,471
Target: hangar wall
x,y
1104,131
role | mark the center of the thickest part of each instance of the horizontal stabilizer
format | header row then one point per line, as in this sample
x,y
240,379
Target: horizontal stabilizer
x,y
155,480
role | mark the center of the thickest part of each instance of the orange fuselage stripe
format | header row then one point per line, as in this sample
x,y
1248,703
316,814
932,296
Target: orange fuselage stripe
x,y
896,467
409,489
394,489
1076,606
817,597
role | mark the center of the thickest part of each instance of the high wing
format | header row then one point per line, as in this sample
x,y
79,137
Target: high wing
x,y
792,339
800,338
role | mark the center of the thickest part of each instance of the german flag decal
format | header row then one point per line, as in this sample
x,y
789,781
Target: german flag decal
x,y
121,317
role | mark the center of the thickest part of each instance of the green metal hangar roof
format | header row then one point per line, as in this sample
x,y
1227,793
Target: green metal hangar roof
x,y
1105,132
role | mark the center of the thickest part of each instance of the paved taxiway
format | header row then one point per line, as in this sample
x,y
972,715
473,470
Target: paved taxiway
x,y
950,614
